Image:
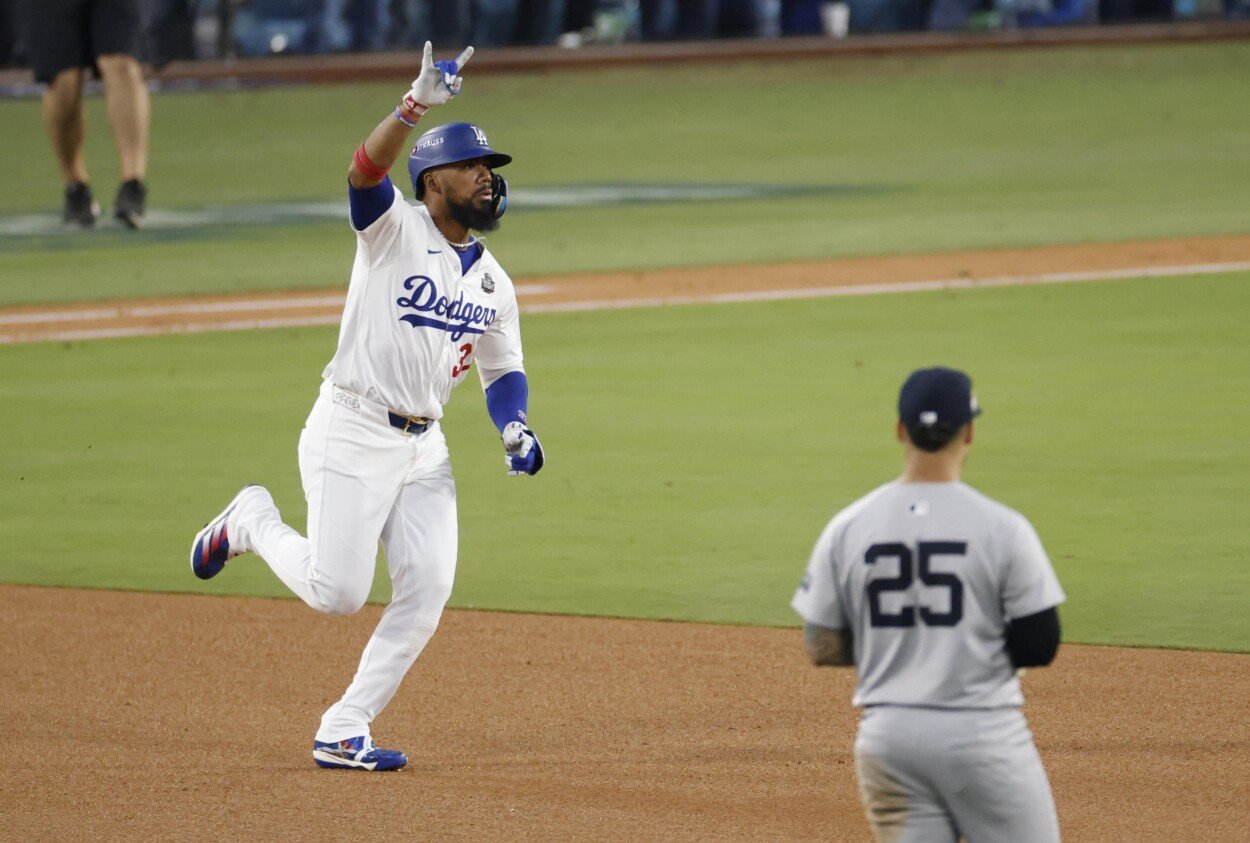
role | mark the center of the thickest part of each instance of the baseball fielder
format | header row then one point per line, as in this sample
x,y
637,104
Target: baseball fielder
x,y
425,303
937,594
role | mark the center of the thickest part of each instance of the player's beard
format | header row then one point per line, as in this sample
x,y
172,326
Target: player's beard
x,y
472,216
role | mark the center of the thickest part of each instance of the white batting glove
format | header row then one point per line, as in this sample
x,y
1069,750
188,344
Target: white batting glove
x,y
436,84
524,452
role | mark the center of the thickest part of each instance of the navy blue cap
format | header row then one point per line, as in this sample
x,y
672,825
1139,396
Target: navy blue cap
x,y
937,399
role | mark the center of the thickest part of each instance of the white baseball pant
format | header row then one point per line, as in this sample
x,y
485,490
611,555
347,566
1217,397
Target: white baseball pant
x,y
365,480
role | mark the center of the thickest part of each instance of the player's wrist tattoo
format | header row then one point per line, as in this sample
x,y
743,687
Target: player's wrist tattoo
x,y
828,646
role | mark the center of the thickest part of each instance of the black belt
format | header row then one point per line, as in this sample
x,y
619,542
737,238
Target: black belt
x,y
408,424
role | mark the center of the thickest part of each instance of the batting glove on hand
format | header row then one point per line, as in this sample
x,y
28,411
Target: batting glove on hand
x,y
435,85
525,454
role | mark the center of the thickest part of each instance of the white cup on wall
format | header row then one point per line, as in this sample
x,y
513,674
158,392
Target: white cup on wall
x,y
835,19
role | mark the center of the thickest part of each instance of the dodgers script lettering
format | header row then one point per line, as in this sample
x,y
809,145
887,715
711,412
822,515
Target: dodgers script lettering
x,y
459,317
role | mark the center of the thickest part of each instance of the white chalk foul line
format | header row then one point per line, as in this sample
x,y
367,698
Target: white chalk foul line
x,y
161,330
897,287
336,302
175,309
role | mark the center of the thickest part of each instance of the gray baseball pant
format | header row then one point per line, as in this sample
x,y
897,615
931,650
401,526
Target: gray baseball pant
x,y
928,774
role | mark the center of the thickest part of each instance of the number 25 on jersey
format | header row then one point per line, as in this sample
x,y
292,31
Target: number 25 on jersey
x,y
909,566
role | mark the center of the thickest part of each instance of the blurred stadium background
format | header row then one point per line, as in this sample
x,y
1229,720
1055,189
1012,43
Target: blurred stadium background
x,y
223,29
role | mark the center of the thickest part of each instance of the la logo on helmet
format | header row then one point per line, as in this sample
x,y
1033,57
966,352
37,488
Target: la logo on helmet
x,y
481,137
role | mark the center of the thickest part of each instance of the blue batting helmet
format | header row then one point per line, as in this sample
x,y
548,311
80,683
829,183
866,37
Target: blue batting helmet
x,y
448,144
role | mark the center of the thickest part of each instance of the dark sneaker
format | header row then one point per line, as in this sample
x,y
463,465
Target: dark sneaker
x,y
80,206
131,203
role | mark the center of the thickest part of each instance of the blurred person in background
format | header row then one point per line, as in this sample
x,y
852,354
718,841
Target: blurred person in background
x,y
494,22
502,22
1131,11
64,38
954,15
886,15
668,20
358,26
1037,13
540,21
579,14
8,35
413,22
450,20
801,17
170,26
368,21
484,22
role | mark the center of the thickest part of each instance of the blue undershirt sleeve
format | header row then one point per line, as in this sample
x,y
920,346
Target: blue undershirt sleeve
x,y
370,203
507,399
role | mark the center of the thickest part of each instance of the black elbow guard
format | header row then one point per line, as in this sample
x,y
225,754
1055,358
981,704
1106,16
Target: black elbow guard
x,y
1032,641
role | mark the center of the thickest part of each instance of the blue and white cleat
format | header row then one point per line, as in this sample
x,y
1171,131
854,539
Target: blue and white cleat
x,y
357,754
211,549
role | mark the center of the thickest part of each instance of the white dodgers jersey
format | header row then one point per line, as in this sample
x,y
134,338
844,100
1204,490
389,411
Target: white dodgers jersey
x,y
413,324
926,576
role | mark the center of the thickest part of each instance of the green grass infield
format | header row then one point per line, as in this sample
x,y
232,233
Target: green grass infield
x,y
695,452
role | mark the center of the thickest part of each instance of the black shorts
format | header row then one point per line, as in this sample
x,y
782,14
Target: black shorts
x,y
64,34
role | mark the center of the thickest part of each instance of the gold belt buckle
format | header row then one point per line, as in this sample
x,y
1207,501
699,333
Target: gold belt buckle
x,y
420,421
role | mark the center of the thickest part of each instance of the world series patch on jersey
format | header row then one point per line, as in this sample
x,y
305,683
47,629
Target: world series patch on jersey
x,y
927,576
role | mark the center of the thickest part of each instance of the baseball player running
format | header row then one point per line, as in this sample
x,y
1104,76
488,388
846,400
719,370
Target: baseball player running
x,y
937,594
426,301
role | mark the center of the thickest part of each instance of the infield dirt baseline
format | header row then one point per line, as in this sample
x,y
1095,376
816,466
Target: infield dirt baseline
x,y
659,287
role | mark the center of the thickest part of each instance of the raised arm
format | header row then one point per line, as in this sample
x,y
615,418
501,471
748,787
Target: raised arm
x,y
437,83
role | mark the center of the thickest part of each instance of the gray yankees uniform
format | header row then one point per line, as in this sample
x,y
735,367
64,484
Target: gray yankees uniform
x,y
926,577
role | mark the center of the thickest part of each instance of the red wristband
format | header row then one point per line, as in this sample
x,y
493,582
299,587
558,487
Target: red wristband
x,y
366,167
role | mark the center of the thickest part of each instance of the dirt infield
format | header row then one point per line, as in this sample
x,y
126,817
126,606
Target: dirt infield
x,y
1052,264
146,716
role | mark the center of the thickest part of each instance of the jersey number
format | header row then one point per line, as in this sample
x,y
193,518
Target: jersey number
x,y
885,585
466,360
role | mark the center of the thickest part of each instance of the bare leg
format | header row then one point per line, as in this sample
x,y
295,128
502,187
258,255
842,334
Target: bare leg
x,y
66,126
129,109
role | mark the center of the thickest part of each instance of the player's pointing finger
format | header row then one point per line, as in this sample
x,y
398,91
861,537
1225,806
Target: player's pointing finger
x,y
464,57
